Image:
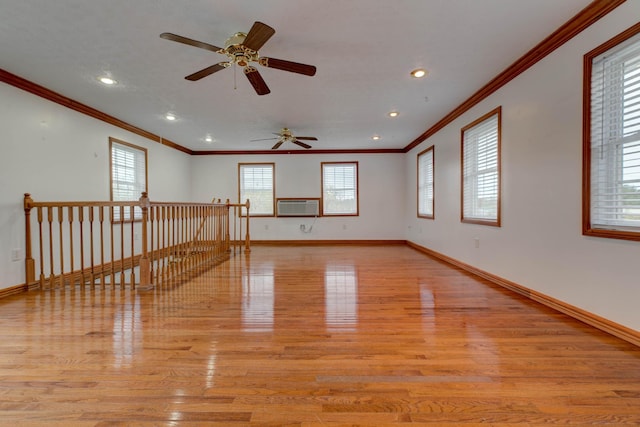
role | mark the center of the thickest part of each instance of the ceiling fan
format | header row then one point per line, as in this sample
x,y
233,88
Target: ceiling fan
x,y
285,135
242,49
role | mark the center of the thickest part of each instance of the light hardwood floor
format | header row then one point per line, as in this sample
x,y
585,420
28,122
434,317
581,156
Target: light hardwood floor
x,y
310,336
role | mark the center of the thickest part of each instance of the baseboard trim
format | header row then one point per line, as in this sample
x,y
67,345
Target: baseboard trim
x,y
615,329
326,242
13,290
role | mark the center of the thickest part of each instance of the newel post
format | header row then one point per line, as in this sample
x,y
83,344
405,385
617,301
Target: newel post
x,y
145,265
247,247
29,263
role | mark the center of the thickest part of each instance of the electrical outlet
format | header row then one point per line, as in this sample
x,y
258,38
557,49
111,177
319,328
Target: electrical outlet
x,y
302,227
15,255
266,226
476,242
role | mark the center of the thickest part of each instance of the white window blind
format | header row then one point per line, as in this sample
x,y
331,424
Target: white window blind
x,y
340,188
615,138
257,185
480,171
128,175
425,183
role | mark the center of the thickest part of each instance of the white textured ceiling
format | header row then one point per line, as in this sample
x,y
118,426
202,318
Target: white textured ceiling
x,y
363,51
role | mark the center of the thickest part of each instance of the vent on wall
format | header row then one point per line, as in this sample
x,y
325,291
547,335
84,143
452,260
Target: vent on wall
x,y
298,207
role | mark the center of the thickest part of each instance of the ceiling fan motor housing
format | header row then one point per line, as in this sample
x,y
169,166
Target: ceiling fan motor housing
x,y
237,52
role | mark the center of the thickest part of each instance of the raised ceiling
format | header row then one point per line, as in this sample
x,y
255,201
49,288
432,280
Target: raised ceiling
x,y
364,51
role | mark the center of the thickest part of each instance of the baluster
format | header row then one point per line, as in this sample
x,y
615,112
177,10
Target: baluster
x,y
132,274
164,244
112,243
190,242
72,280
213,233
223,235
179,230
41,244
214,219
121,260
174,257
101,219
215,236
93,262
202,234
81,221
61,245
152,265
185,244
50,221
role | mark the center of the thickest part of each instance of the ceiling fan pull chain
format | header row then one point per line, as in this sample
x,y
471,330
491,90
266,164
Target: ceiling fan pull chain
x,y
234,77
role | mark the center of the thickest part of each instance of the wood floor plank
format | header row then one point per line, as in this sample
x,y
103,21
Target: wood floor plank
x,y
310,336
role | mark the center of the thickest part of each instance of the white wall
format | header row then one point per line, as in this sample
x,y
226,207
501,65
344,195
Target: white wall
x,y
55,153
540,244
381,177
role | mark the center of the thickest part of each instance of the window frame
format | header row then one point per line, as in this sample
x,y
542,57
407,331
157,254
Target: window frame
x,y
356,183
479,220
137,215
431,182
241,211
588,227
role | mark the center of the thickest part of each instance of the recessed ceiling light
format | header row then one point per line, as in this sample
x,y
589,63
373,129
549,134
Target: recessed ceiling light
x,y
393,114
107,81
208,139
418,73
375,137
170,116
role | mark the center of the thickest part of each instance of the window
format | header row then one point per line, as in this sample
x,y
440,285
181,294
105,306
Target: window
x,y
256,183
340,188
128,168
481,170
425,183
611,139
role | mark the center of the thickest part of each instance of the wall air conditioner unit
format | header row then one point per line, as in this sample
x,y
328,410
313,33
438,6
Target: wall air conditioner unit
x,y
298,207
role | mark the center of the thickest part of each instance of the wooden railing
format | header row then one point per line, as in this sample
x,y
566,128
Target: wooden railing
x,y
139,244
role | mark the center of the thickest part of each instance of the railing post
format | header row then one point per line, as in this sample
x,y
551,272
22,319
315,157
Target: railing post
x,y
145,267
29,262
247,247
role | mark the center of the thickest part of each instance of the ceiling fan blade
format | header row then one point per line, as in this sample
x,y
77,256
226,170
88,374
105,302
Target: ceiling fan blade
x,y
256,81
293,67
307,138
205,72
278,144
301,144
258,36
263,139
190,42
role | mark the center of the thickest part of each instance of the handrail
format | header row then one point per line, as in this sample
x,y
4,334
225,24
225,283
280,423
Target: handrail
x,y
138,243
